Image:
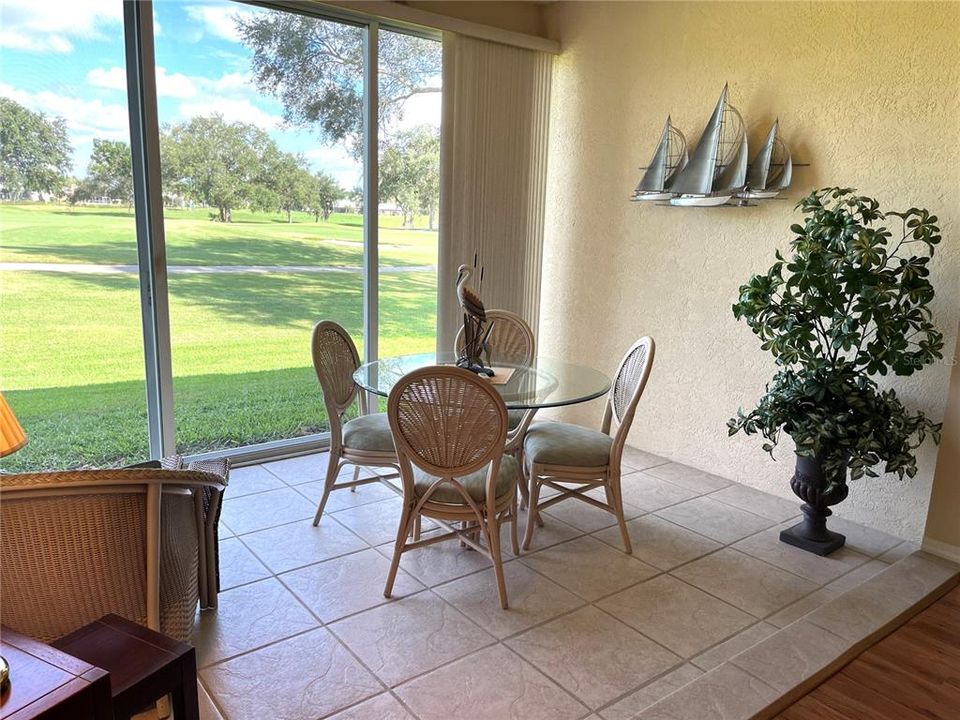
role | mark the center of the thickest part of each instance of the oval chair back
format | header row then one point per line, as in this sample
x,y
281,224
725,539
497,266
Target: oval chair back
x,y
511,339
335,359
628,385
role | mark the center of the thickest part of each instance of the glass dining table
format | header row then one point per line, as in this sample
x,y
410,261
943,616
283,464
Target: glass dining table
x,y
545,383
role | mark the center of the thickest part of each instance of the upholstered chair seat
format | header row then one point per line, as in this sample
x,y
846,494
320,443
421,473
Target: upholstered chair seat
x,y
475,483
551,443
368,432
514,418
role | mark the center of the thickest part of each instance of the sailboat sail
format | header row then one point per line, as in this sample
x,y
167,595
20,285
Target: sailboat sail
x,y
669,158
786,177
697,177
734,175
760,167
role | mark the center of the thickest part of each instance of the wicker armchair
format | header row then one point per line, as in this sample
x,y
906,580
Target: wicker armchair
x,y
138,542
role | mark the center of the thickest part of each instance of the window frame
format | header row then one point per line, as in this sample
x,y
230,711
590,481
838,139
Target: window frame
x,y
151,239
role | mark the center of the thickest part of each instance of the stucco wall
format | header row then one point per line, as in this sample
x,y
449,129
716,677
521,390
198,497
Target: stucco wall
x,y
866,93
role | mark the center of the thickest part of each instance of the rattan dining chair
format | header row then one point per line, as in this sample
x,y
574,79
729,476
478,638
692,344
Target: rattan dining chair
x,y
449,427
559,455
364,441
511,342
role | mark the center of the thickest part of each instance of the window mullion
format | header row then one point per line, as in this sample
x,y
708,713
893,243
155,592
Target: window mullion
x,y
371,198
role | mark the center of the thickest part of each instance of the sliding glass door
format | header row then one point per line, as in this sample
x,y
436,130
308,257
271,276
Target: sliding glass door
x,y
265,201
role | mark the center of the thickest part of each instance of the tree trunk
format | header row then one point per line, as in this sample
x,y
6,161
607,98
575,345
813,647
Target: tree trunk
x,y
225,214
289,216
432,216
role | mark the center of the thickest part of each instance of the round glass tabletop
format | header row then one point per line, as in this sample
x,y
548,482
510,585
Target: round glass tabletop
x,y
545,383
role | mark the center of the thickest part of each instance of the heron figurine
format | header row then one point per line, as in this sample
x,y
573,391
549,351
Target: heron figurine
x,y
475,334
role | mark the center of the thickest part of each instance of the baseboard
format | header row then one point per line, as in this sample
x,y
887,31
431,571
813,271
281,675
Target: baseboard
x,y
941,549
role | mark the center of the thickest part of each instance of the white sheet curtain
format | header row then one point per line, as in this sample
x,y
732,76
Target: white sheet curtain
x,y
493,151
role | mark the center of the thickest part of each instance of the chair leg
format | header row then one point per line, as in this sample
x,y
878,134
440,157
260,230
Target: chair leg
x,y
356,476
416,528
402,529
613,488
514,545
493,539
333,467
533,513
522,482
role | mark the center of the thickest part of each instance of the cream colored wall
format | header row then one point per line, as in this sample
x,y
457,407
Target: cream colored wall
x,y
522,17
942,532
866,93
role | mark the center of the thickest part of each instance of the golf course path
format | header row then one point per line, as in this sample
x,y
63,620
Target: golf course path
x,y
83,269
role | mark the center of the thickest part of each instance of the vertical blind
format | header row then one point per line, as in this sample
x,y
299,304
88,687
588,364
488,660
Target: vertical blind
x,y
493,150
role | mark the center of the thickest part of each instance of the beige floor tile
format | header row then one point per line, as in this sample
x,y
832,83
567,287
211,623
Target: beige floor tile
x,y
532,598
803,606
766,545
637,459
714,519
759,503
491,683
343,498
899,552
628,707
345,585
592,655
308,468
650,493
737,644
792,656
659,542
441,562
863,539
410,637
877,601
263,510
249,617
238,566
745,582
301,678
858,576
553,531
725,693
382,707
586,517
589,567
697,480
208,711
678,616
299,543
252,479
375,522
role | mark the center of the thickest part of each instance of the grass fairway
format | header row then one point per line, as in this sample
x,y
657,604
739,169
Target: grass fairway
x,y
71,354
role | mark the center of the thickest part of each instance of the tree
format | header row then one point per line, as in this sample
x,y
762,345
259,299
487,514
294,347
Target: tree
x,y
34,150
291,183
325,191
315,68
218,164
110,172
410,172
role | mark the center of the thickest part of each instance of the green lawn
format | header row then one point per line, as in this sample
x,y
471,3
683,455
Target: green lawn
x,y
71,355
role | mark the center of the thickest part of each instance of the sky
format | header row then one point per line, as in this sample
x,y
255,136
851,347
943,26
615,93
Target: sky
x,y
65,58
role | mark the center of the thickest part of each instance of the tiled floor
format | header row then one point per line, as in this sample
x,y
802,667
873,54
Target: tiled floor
x,y
303,631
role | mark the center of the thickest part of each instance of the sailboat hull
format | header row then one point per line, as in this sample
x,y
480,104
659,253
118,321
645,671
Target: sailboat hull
x,y
699,200
759,194
644,196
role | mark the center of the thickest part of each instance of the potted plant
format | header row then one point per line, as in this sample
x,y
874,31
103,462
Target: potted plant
x,y
851,303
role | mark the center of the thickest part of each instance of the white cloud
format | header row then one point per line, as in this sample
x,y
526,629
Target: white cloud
x,y
336,161
418,110
176,85
83,117
217,20
49,26
232,110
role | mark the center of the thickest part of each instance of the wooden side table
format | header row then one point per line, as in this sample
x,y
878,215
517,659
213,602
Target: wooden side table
x,y
143,665
46,684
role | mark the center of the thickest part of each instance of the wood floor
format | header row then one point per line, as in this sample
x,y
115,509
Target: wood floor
x,y
912,674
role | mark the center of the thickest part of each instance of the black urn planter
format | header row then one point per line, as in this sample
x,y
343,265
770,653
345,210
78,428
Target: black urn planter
x,y
810,484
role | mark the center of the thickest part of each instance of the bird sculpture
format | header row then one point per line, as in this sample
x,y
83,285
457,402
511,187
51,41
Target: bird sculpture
x,y
475,333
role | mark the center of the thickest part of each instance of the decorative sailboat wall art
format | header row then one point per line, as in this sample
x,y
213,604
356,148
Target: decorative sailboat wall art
x,y
717,169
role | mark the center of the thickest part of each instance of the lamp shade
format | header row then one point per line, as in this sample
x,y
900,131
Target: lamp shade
x,y
12,437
